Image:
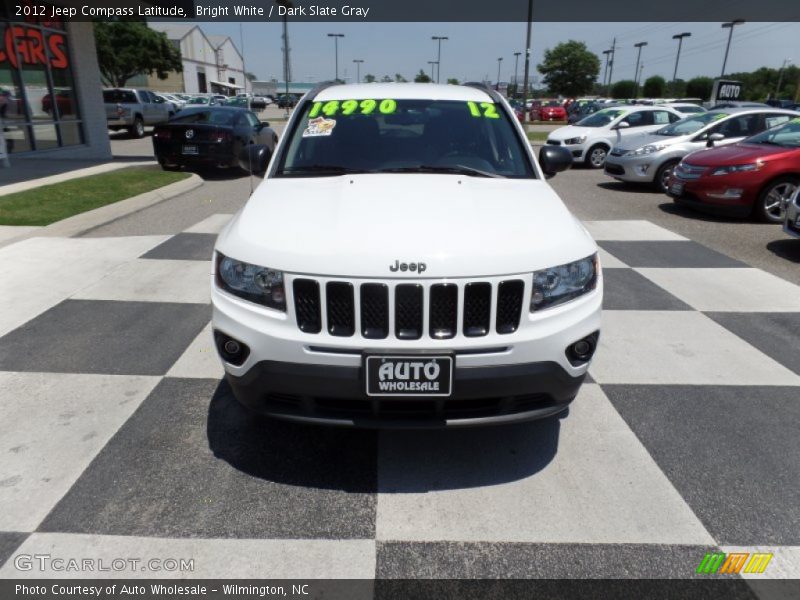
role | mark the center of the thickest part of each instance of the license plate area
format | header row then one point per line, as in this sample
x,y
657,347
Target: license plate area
x,y
191,149
423,375
676,189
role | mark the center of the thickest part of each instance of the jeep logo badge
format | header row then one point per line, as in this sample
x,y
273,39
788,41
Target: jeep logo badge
x,y
189,134
413,267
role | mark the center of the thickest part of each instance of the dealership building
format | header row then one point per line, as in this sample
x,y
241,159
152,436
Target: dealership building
x,y
50,100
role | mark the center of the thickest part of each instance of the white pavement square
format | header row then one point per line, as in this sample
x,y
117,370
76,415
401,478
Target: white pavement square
x,y
154,281
212,558
608,261
728,290
601,486
630,231
212,224
52,425
38,273
200,359
679,347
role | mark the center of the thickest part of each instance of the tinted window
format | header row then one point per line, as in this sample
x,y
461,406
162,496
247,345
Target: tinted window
x,y
740,126
601,118
639,119
406,136
692,124
787,135
209,117
119,97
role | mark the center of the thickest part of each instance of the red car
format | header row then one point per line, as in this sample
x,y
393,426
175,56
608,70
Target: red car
x,y
552,110
755,177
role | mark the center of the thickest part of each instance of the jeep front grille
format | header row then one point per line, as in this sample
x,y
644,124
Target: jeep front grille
x,y
406,310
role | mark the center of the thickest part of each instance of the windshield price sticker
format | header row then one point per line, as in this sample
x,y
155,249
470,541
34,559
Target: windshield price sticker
x,y
387,106
483,109
319,127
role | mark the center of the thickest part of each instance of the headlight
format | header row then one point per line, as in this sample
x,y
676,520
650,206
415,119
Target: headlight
x,y
261,285
575,140
563,283
649,149
738,168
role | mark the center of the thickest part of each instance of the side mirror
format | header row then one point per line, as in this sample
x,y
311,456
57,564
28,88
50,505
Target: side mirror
x,y
621,125
263,124
255,158
554,159
714,137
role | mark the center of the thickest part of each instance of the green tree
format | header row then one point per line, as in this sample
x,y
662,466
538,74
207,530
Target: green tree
x,y
654,87
676,89
399,78
386,79
368,78
569,68
699,87
129,48
452,81
623,89
250,76
422,77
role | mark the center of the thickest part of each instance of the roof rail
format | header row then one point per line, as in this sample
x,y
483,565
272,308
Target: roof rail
x,y
482,86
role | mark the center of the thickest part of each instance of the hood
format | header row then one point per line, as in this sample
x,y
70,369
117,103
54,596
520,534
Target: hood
x,y
571,131
735,154
359,225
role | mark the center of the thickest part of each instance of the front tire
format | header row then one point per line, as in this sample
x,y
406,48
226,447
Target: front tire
x,y
661,180
596,156
773,198
137,129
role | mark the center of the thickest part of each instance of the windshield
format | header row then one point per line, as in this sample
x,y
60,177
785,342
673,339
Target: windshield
x,y
380,135
691,125
601,118
787,135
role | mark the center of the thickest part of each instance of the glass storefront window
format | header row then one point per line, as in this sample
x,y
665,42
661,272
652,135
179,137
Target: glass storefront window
x,y
38,106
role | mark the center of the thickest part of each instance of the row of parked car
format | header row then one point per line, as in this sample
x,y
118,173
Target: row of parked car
x,y
740,161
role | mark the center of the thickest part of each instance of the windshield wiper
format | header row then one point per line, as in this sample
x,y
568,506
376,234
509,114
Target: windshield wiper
x,y
457,169
323,170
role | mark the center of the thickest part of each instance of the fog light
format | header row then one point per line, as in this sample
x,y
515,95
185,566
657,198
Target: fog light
x,y
728,194
582,351
232,351
642,169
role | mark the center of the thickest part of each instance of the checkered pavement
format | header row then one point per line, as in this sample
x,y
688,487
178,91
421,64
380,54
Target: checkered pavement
x,y
119,438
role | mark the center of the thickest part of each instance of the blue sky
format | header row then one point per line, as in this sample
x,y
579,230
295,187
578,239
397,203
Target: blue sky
x,y
472,51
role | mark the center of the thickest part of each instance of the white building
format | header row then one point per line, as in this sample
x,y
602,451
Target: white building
x,y
211,63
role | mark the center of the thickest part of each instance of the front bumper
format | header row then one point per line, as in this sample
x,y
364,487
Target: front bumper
x,y
708,196
631,169
577,150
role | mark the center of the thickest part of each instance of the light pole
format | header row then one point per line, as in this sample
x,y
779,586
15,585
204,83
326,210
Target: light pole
x,y
431,63
636,73
358,62
438,38
528,61
336,37
679,37
499,60
729,26
516,64
786,61
605,73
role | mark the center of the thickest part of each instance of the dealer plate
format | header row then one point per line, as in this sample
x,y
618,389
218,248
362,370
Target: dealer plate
x,y
676,189
190,149
415,375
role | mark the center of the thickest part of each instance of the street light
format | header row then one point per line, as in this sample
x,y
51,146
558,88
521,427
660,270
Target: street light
x,y
679,37
605,73
431,63
438,38
516,64
786,61
336,37
730,26
636,73
499,60
358,62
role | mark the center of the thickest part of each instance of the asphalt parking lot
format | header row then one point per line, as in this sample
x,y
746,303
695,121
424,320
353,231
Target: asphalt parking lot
x,y
684,439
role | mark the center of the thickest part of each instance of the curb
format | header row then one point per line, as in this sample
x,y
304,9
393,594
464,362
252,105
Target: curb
x,y
81,223
24,186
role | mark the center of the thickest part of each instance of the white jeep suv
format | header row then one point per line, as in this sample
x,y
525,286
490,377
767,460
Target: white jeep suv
x,y
405,263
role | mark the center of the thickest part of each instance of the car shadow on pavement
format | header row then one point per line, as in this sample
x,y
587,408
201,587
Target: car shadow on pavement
x,y
788,249
629,188
352,459
685,211
211,174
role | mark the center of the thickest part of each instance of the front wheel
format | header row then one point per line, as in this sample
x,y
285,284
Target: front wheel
x,y
661,180
773,198
596,157
137,129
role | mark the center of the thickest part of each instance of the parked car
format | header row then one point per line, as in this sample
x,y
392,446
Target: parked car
x,y
201,101
65,101
590,139
347,306
686,108
287,101
756,177
791,220
174,105
175,99
552,110
213,136
219,98
582,111
651,158
133,109
738,104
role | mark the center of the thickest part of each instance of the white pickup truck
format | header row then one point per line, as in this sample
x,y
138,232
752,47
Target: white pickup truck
x,y
133,109
405,263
